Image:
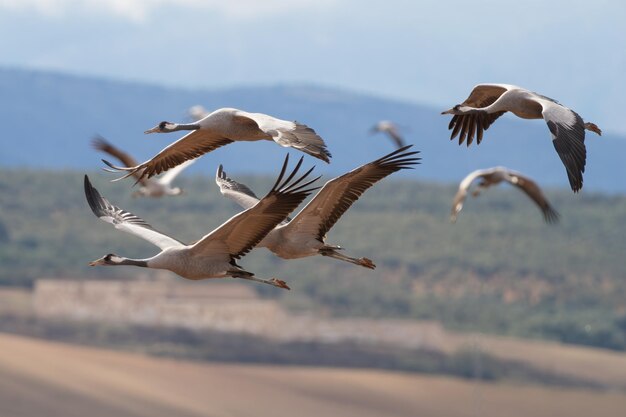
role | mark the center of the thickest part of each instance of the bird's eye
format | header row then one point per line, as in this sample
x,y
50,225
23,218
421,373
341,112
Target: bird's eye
x,y
108,257
162,125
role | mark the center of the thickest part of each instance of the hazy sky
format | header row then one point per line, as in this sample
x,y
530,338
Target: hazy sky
x,y
423,51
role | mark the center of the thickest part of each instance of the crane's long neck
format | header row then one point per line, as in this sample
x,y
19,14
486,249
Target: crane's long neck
x,y
135,262
181,126
119,260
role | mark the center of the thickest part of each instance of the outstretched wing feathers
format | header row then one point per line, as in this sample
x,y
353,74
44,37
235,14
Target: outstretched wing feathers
x,y
464,185
103,145
338,194
245,230
124,220
306,140
238,192
568,137
396,138
484,95
391,131
533,191
493,176
473,125
191,146
225,126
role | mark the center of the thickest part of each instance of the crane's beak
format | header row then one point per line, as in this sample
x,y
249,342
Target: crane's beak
x,y
450,111
97,262
155,129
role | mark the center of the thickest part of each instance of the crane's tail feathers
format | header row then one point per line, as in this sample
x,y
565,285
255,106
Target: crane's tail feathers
x,y
319,153
306,140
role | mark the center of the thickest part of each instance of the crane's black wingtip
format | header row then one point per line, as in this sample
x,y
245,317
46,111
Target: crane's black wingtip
x,y
552,216
92,196
107,163
87,183
98,142
325,156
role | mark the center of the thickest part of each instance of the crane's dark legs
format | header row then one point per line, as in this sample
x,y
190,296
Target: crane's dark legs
x,y
593,127
249,276
331,252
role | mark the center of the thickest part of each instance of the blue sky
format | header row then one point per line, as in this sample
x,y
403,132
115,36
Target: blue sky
x,y
431,52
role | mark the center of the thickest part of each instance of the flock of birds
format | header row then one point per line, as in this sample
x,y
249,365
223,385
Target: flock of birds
x,y
265,223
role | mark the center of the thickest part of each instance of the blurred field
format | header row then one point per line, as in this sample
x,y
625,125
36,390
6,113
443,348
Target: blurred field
x,y
45,378
601,366
15,300
229,322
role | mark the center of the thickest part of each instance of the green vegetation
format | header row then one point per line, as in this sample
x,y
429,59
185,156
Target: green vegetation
x,y
499,269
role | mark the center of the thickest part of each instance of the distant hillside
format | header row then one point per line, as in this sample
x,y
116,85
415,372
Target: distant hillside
x,y
48,120
499,269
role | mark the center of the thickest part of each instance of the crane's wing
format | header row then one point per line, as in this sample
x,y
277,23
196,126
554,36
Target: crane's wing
x,y
103,145
169,176
245,230
568,137
236,191
391,130
191,146
468,125
484,95
533,191
457,203
464,185
395,137
291,134
338,194
125,221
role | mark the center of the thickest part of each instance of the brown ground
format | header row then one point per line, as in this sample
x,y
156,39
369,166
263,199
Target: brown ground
x,y
40,378
601,366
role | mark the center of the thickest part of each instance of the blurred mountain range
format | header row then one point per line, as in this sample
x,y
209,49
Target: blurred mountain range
x,y
50,118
